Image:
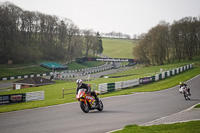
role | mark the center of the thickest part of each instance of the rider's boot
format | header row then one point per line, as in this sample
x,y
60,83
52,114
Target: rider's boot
x,y
189,91
97,101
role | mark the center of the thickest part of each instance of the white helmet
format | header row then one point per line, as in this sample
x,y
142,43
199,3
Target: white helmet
x,y
79,82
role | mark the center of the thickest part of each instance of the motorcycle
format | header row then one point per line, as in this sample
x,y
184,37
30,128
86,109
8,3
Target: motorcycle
x,y
88,102
184,91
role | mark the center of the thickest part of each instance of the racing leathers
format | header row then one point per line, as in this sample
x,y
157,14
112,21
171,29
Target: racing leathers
x,y
184,85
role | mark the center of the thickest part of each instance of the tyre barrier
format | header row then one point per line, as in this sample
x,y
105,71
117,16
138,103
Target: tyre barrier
x,y
71,74
24,76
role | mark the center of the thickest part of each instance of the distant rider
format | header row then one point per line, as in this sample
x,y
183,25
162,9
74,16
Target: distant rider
x,y
183,85
81,85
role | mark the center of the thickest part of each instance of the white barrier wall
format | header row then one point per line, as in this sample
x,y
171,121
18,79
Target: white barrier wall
x,y
173,72
156,77
181,69
130,83
108,87
118,85
34,96
163,75
103,88
177,70
168,73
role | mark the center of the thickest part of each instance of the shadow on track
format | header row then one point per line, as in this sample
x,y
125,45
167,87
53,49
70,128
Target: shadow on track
x,y
192,100
108,111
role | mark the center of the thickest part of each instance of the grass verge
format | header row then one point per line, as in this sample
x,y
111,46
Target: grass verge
x,y
197,106
185,127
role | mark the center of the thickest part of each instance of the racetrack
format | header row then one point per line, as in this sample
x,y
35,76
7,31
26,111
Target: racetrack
x,y
118,112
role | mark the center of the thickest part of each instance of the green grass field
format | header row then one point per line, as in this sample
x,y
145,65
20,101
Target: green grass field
x,y
118,48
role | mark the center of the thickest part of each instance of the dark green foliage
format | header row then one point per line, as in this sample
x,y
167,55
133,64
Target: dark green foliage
x,y
99,44
165,42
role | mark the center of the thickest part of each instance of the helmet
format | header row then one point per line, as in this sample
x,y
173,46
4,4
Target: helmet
x,y
79,82
181,83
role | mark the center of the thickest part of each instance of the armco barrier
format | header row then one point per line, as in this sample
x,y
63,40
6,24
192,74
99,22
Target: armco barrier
x,y
108,87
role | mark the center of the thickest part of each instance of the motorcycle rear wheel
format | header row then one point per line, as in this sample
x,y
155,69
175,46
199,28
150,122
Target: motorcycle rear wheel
x,y
85,107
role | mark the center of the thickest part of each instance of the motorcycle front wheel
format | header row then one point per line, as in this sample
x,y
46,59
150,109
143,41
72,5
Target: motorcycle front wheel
x,y
186,96
85,107
100,108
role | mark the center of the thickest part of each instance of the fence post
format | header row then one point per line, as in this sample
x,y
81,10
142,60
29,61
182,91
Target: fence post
x,y
63,93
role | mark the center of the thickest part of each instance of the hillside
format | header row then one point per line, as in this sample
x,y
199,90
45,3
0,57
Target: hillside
x,y
118,48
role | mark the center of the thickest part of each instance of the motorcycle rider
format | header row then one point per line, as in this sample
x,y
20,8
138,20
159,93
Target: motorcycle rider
x,y
182,84
81,85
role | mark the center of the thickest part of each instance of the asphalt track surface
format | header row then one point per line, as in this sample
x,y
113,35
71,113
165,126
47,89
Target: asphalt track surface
x,y
118,112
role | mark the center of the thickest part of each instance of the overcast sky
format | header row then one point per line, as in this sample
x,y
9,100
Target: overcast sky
x,y
126,16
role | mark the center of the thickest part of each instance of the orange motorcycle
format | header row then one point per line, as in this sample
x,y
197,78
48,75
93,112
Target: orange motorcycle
x,y
88,102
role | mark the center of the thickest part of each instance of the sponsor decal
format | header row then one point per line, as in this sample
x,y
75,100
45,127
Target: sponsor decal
x,y
4,99
112,59
89,97
13,98
16,98
145,80
106,59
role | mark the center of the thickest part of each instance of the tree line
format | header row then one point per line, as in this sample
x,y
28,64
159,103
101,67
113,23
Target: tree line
x,y
31,36
169,42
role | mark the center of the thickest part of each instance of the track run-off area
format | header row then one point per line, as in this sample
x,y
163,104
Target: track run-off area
x,y
119,111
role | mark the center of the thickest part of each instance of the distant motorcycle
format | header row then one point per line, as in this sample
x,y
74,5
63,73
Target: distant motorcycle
x,y
88,102
184,91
